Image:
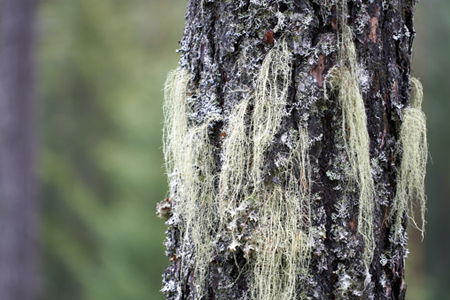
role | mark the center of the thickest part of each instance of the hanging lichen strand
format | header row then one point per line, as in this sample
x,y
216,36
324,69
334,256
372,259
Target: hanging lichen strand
x,y
410,192
273,208
345,81
190,165
266,213
282,235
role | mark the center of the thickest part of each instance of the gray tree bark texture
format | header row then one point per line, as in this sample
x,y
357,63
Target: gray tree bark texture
x,y
223,49
18,198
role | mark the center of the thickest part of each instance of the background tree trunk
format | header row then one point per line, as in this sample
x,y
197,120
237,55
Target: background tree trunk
x,y
18,203
223,48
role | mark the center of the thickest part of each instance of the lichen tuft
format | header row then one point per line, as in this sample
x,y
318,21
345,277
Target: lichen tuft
x,y
344,80
261,209
410,193
280,208
190,164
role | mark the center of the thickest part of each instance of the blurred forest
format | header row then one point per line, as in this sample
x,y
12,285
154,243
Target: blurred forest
x,y
102,65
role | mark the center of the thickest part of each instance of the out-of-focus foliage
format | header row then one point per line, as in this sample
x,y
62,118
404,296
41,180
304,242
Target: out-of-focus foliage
x,y
429,264
102,67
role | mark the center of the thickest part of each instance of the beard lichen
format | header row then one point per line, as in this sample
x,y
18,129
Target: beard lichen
x,y
410,193
277,241
190,164
263,210
344,81
282,235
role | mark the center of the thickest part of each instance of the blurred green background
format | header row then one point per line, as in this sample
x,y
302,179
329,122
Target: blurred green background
x,y
102,65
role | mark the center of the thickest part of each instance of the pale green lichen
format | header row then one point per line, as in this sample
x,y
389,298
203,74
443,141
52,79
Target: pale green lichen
x,y
236,157
280,238
410,193
344,80
190,163
270,99
210,203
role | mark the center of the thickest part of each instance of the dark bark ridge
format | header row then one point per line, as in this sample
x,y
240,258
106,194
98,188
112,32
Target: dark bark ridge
x,y
223,49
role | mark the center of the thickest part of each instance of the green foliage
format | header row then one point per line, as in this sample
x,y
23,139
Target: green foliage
x,y
428,264
102,66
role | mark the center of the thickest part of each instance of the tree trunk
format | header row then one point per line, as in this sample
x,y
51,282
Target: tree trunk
x,y
18,203
285,140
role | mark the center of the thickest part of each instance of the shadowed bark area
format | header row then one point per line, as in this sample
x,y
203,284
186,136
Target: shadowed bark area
x,y
223,49
18,203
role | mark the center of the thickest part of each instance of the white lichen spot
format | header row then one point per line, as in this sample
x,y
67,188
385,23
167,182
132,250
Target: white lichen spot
x,y
169,286
345,282
281,20
407,33
333,175
248,250
383,259
364,78
233,245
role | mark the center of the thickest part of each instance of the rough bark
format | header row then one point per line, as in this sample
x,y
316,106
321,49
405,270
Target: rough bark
x,y
18,203
223,48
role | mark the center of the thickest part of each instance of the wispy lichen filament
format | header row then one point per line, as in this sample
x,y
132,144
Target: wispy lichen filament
x,y
410,193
